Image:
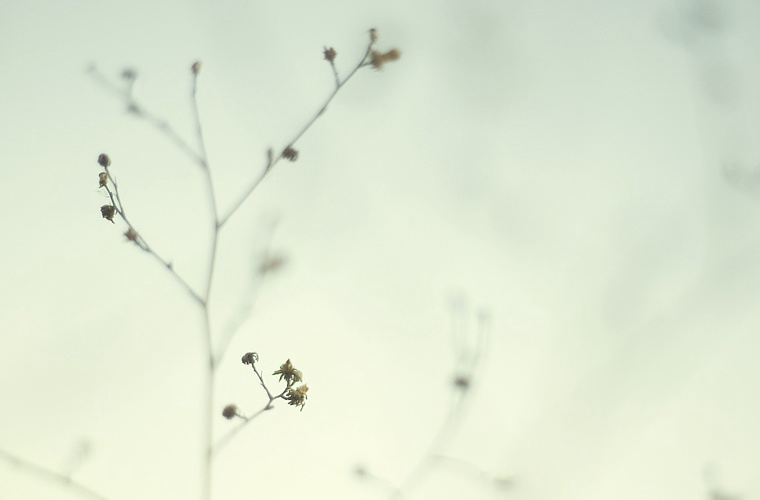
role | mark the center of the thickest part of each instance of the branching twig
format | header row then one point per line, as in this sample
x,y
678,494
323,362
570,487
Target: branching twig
x,y
136,237
50,475
287,371
271,162
141,112
294,396
470,357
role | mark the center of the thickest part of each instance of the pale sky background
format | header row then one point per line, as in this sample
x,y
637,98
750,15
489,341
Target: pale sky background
x,y
584,171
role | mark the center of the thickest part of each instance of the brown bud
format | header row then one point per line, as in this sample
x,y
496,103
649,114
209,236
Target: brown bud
x,y
330,54
372,35
462,382
250,358
108,212
378,59
290,154
196,67
229,412
103,179
104,160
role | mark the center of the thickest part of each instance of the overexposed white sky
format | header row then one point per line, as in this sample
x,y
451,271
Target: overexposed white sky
x,y
585,172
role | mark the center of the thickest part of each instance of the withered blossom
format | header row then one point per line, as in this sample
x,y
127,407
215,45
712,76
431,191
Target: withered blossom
x,y
131,235
378,59
330,54
102,179
250,358
297,396
196,67
289,373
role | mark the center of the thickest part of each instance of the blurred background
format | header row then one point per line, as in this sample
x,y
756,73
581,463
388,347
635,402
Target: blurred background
x,y
579,179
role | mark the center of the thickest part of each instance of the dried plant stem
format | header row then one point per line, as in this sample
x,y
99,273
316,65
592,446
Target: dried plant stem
x,y
208,353
207,409
50,475
141,242
434,453
140,112
228,437
271,162
202,298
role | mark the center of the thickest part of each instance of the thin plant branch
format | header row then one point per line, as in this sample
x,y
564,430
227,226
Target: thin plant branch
x,y
50,475
140,241
139,111
472,470
268,264
208,426
462,385
294,396
268,406
271,162
365,474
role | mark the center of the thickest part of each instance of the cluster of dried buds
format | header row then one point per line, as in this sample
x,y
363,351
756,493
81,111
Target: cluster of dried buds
x,y
107,211
294,395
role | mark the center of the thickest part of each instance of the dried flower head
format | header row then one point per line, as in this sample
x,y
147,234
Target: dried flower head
x,y
102,179
108,212
289,373
378,59
250,358
297,396
290,154
104,160
196,67
131,235
372,35
330,54
230,411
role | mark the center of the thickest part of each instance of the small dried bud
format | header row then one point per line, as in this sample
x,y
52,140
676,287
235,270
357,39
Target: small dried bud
x,y
196,67
104,160
250,358
378,59
131,235
462,382
108,212
330,54
372,35
230,411
103,179
290,154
